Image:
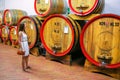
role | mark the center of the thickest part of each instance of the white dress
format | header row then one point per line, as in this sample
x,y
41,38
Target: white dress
x,y
24,43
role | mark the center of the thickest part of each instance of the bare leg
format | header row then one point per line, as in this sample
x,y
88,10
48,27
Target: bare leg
x,y
23,63
27,58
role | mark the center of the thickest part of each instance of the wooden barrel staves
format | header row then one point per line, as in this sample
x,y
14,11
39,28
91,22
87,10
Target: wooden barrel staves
x,y
5,33
100,40
12,16
13,35
85,7
60,35
1,17
33,24
46,7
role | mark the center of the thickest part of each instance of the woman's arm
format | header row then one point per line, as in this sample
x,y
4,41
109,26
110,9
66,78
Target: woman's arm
x,y
19,39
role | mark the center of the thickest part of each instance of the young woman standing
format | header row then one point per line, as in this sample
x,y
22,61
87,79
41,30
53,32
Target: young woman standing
x,y
23,42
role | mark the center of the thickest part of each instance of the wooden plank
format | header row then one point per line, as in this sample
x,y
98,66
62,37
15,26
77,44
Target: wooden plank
x,y
35,51
64,59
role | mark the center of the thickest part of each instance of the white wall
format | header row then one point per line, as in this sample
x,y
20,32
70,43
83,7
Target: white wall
x,y
26,5
111,6
2,4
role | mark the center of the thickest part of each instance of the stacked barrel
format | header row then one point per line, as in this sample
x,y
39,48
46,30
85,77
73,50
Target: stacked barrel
x,y
66,30
59,33
11,17
33,24
45,8
1,17
1,22
98,36
86,7
100,40
13,35
8,22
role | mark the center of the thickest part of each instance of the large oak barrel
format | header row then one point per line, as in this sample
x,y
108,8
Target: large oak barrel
x,y
100,40
60,35
33,24
46,7
85,7
5,33
1,17
13,35
12,16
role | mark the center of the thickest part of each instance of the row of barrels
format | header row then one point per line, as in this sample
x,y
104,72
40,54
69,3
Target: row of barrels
x,y
99,38
11,17
47,7
79,7
11,32
8,24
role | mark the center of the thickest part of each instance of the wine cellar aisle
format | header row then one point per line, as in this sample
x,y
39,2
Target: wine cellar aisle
x,y
41,68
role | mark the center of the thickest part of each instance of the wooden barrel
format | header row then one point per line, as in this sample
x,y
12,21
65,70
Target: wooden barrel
x,y
33,25
12,16
60,35
46,7
5,33
100,40
85,7
1,17
13,35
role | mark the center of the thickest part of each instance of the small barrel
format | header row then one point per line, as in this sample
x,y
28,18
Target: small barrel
x,y
47,7
100,40
13,35
86,7
5,33
33,24
12,16
60,35
1,17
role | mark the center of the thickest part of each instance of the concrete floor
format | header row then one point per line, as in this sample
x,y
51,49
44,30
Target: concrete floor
x,y
41,68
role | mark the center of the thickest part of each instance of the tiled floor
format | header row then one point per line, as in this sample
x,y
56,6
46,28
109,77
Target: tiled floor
x,y
42,68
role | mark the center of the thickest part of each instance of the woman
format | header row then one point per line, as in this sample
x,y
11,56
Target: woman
x,y
23,42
